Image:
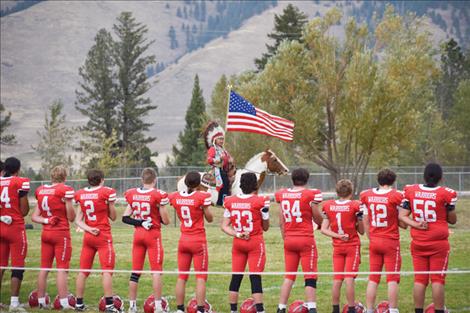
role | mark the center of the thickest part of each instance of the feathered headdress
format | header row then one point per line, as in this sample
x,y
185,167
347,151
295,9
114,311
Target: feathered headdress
x,y
212,131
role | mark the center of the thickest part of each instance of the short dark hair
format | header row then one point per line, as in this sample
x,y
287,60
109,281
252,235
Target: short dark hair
x,y
248,183
432,174
1,165
300,177
192,179
95,177
344,188
386,177
11,166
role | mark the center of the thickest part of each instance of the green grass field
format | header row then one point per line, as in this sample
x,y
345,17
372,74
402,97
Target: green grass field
x,y
457,288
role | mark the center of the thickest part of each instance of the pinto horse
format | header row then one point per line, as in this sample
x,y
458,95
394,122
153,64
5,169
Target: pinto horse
x,y
260,164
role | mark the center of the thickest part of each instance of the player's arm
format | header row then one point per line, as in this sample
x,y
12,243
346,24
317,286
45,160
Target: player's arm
x,y
24,203
80,222
365,222
451,217
208,214
265,213
360,222
326,230
127,219
165,217
316,213
37,218
404,216
112,210
69,210
281,223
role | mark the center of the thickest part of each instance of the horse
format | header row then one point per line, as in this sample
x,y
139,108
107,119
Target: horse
x,y
260,164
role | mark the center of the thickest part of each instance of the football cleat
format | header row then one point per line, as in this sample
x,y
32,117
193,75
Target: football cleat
x,y
17,309
358,305
132,309
280,310
33,299
382,307
72,301
117,301
248,306
430,309
80,308
192,306
298,306
149,305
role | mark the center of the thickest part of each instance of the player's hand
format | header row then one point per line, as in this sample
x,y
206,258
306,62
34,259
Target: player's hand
x,y
422,225
244,235
94,231
344,237
54,220
147,224
6,219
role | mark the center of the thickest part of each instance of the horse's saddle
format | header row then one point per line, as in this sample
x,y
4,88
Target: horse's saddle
x,y
208,179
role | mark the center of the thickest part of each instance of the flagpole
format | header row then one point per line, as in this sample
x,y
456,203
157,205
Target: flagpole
x,y
229,87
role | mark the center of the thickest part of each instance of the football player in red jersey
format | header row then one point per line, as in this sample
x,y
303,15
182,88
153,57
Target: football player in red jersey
x,y
146,211
54,210
432,208
299,211
96,209
246,216
380,207
192,207
13,207
342,220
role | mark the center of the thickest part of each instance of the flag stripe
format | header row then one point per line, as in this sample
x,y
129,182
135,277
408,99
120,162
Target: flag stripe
x,y
273,126
245,117
248,121
259,130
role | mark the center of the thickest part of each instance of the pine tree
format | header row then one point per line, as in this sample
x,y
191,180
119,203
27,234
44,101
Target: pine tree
x,y
172,35
132,83
287,26
192,150
55,139
96,98
5,139
454,69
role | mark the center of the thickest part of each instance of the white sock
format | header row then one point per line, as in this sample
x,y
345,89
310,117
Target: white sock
x,y
14,301
42,300
281,306
132,303
158,304
311,305
393,310
64,302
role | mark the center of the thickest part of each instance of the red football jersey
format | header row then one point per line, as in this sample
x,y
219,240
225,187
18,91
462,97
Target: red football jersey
x,y
146,203
244,212
297,211
51,202
430,205
10,188
342,217
189,210
94,205
382,208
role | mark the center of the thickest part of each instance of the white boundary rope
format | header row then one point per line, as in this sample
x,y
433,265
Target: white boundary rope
x,y
401,273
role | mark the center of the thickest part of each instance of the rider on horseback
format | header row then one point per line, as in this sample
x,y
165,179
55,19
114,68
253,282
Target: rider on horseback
x,y
218,158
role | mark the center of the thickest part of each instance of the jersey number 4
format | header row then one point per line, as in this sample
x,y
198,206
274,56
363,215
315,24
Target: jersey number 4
x,y
5,198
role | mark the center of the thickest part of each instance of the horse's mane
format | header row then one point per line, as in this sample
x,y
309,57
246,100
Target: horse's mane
x,y
254,157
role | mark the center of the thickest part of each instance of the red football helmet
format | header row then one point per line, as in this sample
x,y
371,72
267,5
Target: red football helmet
x,y
34,301
192,306
248,306
71,298
430,309
382,307
298,306
149,304
118,304
359,308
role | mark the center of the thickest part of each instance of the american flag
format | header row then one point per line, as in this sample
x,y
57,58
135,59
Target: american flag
x,y
245,117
